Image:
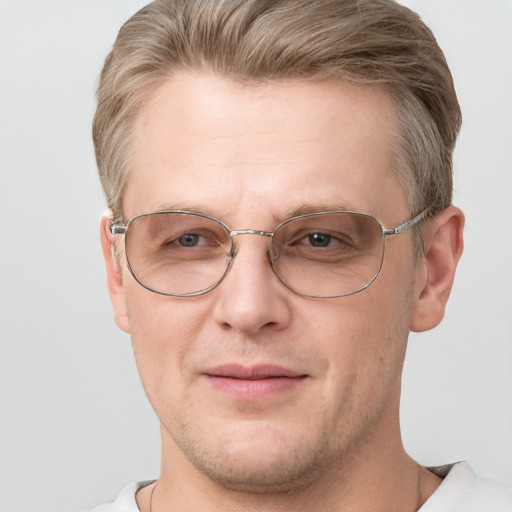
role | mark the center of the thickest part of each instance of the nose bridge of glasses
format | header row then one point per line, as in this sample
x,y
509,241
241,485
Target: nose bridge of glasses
x,y
237,232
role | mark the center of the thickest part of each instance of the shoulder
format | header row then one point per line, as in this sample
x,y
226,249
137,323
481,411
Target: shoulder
x,y
463,491
126,501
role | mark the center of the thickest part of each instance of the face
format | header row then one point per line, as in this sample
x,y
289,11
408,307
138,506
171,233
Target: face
x,y
255,386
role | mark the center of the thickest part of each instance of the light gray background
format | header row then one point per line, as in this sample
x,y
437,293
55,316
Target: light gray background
x,y
74,424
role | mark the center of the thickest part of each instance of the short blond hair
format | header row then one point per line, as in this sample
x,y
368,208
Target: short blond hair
x,y
376,42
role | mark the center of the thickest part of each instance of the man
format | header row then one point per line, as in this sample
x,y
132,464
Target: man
x,y
257,158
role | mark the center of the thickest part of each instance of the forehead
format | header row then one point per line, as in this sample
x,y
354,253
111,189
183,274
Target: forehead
x,y
209,142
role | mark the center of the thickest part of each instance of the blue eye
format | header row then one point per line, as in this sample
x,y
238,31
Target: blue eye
x,y
189,240
319,240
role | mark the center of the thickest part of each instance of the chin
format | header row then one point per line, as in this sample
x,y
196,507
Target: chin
x,y
256,477
266,464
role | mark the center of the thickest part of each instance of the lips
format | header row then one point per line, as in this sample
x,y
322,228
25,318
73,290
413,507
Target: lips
x,y
253,382
258,372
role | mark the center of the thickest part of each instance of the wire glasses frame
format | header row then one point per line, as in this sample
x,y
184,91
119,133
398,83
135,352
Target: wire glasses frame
x,y
326,254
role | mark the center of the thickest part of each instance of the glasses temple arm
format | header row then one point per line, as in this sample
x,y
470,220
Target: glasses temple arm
x,y
116,228
398,229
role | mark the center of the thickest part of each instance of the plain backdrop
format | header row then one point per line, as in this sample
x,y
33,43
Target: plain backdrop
x,y
74,424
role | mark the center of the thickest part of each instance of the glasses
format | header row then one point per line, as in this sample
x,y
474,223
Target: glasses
x,y
323,255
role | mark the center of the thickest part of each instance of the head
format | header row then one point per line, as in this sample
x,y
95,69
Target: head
x,y
252,112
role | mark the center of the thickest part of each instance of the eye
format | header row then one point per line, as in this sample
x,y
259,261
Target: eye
x,y
204,239
319,239
191,240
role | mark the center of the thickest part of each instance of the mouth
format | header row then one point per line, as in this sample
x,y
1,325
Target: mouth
x,y
253,382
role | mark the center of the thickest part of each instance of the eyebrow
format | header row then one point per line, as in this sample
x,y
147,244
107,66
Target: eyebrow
x,y
294,211
187,207
307,208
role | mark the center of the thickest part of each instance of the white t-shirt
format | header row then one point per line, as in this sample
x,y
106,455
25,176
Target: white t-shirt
x,y
461,491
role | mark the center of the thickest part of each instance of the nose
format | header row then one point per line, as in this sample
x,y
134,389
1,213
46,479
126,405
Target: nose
x,y
251,297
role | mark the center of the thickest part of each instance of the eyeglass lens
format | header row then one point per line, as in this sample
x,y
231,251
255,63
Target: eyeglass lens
x,y
325,255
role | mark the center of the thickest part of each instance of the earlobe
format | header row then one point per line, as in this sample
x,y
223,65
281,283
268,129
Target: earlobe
x,y
436,272
114,280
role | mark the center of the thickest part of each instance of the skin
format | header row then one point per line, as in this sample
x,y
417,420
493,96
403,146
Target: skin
x,y
252,155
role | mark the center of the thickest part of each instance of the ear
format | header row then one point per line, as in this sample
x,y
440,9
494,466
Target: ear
x,y
436,271
114,277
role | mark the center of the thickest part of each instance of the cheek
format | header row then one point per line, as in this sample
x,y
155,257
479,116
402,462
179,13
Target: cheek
x,y
164,331
365,336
